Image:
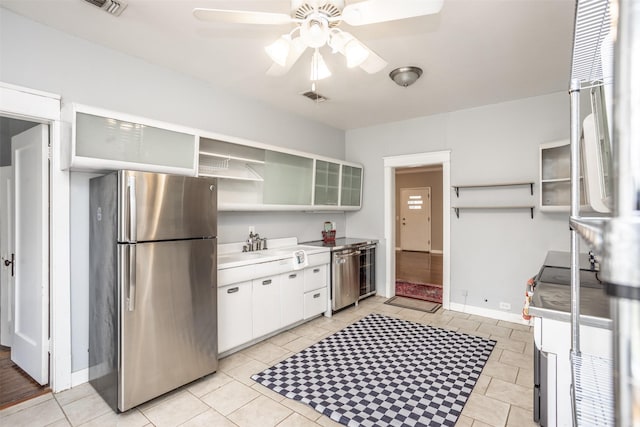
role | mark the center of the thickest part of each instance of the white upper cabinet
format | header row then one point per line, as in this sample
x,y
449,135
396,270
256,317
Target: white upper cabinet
x,y
288,179
327,184
220,159
555,176
351,186
103,140
256,177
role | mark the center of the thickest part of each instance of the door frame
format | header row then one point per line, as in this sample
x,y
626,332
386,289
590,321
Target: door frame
x,y
42,107
415,160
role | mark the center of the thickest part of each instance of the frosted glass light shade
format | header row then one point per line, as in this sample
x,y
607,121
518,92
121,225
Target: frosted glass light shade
x,y
279,50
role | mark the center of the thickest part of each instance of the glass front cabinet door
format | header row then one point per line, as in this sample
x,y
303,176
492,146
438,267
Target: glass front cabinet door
x,y
351,186
327,184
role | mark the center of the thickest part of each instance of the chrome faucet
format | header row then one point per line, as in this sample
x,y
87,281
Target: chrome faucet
x,y
254,243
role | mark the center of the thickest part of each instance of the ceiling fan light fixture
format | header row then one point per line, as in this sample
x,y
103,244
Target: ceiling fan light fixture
x,y
319,69
406,76
315,32
278,51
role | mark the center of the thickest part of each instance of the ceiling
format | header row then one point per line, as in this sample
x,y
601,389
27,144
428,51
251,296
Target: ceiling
x,y
474,52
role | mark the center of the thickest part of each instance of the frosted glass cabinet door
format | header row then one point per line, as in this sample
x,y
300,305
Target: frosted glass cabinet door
x,y
287,179
351,186
327,187
115,140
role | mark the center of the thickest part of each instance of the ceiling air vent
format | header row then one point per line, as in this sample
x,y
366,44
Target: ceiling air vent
x,y
314,96
113,7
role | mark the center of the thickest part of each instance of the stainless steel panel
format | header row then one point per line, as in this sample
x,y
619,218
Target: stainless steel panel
x,y
170,337
164,207
345,278
103,290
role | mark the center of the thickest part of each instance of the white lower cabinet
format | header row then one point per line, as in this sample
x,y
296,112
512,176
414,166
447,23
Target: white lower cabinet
x,y
266,305
316,280
291,297
252,309
315,302
235,325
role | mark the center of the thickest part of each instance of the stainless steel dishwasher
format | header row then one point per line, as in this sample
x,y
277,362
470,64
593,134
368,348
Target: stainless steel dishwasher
x,y
345,277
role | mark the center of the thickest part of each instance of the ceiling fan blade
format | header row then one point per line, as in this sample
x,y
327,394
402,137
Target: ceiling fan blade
x,y
296,50
375,11
241,16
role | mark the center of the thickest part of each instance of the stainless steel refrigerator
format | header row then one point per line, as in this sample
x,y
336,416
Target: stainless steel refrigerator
x,y
152,285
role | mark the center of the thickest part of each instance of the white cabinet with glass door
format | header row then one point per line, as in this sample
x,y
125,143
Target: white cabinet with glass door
x,y
287,179
104,140
351,186
327,184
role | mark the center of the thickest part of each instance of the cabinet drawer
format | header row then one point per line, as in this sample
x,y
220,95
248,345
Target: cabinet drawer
x,y
234,316
315,302
315,278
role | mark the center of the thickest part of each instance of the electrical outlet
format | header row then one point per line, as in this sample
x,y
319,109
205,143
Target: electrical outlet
x,y
505,306
252,229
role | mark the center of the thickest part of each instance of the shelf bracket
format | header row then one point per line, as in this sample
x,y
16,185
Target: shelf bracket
x,y
457,189
531,186
457,210
531,206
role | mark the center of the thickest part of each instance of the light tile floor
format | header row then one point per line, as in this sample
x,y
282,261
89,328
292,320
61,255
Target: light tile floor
x,y
501,397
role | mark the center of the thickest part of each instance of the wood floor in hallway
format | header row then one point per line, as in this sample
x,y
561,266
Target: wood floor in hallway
x,y
15,385
419,267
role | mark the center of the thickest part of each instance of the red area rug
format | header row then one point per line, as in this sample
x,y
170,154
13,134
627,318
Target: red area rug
x,y
423,291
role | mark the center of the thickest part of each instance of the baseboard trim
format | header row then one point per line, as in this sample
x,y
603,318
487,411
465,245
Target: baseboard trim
x,y
79,377
493,314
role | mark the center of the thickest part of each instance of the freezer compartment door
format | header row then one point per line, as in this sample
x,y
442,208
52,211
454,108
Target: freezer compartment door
x,y
164,207
168,332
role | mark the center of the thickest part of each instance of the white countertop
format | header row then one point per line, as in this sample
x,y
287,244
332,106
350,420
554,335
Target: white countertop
x,y
230,255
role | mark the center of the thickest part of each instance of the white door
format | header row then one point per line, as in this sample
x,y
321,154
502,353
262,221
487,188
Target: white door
x,y
415,219
31,247
6,249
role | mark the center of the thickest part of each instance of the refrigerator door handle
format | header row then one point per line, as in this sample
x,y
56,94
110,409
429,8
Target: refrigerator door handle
x,y
132,217
131,289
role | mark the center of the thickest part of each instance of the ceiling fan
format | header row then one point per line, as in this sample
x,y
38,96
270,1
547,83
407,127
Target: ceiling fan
x,y
316,25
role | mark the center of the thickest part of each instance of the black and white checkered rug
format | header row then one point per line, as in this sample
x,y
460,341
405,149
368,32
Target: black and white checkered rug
x,y
382,371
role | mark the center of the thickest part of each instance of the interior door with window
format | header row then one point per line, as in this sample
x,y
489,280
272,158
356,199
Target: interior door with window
x,y
31,252
415,219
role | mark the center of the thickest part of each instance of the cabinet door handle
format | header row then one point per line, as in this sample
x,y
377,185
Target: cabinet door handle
x,y
316,296
233,290
293,276
316,270
266,282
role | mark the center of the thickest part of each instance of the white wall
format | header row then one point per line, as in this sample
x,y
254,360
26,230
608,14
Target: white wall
x,y
39,57
493,253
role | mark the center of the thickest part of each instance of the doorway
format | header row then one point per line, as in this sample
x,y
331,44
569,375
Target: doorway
x,y
408,164
419,232
24,220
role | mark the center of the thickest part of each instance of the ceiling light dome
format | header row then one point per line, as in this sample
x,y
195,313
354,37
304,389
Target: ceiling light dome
x,y
405,76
